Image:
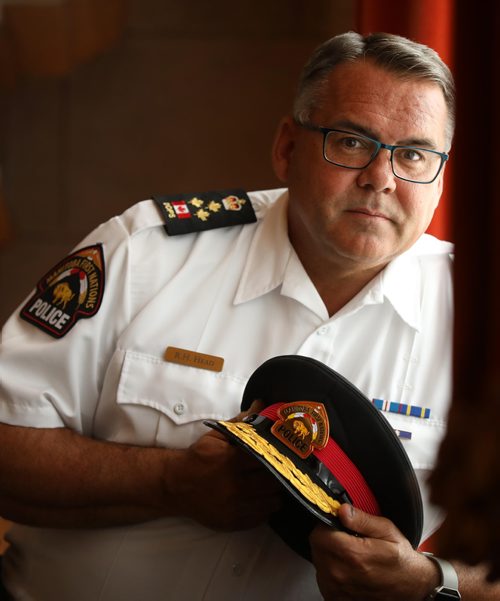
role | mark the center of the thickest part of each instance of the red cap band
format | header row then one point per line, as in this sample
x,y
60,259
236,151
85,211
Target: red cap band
x,y
341,467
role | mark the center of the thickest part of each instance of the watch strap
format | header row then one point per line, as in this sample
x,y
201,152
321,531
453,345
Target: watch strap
x,y
448,587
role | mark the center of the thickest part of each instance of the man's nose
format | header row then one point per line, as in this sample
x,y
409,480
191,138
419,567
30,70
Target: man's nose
x,y
378,175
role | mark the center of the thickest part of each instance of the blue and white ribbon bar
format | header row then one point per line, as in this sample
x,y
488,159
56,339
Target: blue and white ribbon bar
x,y
403,434
402,409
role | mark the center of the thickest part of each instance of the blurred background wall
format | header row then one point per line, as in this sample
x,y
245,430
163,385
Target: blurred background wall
x,y
105,102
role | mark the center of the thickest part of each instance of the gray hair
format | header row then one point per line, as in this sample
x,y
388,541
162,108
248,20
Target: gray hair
x,y
394,53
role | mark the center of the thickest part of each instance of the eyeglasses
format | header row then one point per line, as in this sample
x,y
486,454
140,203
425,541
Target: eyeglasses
x,y
355,151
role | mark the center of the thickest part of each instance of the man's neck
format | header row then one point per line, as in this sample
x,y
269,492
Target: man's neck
x,y
338,286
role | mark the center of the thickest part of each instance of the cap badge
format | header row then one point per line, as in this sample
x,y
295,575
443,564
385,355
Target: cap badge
x,y
302,426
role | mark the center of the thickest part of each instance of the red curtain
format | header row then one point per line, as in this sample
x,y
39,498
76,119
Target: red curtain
x,y
466,480
429,22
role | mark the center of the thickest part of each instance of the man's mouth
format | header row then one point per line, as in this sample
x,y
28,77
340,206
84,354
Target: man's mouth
x,y
373,213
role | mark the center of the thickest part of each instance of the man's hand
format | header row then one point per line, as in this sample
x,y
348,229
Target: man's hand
x,y
221,486
379,565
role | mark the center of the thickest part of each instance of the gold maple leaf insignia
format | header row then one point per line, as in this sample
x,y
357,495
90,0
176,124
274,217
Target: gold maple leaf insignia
x,y
202,214
196,202
214,206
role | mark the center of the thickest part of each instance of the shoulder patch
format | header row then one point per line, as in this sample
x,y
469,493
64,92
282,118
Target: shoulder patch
x,y
72,290
187,213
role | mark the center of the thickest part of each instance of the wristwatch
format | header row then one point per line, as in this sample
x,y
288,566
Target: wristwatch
x,y
447,590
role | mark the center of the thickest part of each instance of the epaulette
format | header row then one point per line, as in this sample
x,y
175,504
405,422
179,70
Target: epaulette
x,y
187,213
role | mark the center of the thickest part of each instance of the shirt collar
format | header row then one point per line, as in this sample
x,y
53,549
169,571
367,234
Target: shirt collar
x,y
268,255
402,280
401,283
272,262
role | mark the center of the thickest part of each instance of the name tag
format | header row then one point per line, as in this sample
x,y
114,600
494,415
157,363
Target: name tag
x,y
193,359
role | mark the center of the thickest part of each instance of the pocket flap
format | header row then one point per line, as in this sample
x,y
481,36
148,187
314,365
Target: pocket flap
x,y
184,394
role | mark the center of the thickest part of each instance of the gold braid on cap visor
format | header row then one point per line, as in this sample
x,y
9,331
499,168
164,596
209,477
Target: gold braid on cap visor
x,y
302,482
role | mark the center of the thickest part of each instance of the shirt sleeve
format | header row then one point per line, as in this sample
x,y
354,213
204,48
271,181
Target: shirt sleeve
x,y
49,381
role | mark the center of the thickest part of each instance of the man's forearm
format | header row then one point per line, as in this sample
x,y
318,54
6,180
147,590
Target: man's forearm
x,y
57,477
78,517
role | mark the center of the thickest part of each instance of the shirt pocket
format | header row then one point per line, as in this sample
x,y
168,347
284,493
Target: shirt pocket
x,y
177,397
426,436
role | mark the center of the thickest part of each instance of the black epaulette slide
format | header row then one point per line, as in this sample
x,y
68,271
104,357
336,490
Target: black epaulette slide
x,y
187,213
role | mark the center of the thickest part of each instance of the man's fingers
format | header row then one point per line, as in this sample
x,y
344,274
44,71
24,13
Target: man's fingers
x,y
367,525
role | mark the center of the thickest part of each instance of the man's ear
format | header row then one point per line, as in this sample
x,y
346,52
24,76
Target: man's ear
x,y
440,185
283,147
441,180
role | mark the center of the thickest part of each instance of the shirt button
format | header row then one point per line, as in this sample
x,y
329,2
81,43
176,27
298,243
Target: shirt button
x,y
179,409
322,331
237,569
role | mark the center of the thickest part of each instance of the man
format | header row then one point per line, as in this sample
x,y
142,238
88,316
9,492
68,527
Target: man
x,y
104,457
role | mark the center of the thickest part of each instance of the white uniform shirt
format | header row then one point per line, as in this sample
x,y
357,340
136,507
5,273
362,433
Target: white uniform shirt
x,y
240,293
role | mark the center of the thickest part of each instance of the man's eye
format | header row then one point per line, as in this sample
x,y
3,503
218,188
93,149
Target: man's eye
x,y
412,155
351,143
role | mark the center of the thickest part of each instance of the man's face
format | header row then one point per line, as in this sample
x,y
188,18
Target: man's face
x,y
361,219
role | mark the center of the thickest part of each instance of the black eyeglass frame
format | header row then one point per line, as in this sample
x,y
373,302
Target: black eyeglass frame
x,y
378,145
